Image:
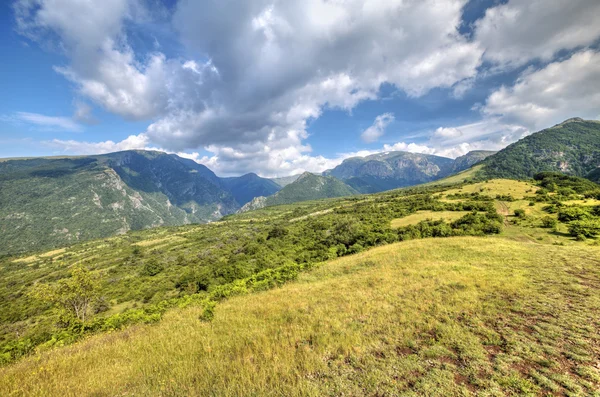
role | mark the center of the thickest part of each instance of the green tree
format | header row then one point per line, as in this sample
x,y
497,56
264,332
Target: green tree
x,y
73,296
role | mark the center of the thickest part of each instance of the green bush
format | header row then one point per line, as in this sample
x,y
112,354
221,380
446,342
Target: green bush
x,y
152,268
569,214
549,222
587,228
520,213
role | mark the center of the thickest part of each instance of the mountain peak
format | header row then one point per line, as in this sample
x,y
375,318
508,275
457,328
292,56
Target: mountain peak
x,y
305,174
571,120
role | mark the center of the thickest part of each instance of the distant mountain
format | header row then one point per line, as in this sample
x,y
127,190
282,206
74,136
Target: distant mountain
x,y
46,202
307,187
390,170
285,180
244,188
572,147
470,159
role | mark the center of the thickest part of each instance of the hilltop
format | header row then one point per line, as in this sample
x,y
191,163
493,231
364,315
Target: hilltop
x,y
306,187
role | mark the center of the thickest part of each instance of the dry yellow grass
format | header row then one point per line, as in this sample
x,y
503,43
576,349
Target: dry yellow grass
x,y
170,239
452,317
419,216
586,202
52,253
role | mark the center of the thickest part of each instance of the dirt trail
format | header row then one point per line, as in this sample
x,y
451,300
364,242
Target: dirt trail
x,y
504,210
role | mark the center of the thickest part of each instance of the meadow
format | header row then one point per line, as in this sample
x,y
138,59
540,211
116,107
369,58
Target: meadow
x,y
482,288
457,316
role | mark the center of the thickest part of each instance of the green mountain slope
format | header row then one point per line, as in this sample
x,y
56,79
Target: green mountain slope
x,y
246,187
572,147
306,187
52,202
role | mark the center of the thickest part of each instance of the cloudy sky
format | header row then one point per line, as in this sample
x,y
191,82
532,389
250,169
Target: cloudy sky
x,y
277,87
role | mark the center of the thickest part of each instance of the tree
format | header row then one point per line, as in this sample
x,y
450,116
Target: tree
x,y
74,296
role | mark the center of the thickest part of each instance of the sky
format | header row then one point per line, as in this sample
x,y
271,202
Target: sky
x,y
278,87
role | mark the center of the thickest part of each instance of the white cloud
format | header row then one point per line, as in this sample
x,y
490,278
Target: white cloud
x,y
261,69
47,122
541,98
446,132
268,67
80,147
521,30
375,131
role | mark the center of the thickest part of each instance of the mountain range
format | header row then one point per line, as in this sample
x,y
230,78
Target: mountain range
x,y
47,202
391,170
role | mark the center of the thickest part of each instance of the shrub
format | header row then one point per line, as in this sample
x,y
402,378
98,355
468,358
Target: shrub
x,y
208,312
520,213
152,268
549,222
277,232
569,214
586,228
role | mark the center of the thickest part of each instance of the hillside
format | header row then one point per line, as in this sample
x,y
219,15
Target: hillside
x,y
572,147
53,202
305,188
472,303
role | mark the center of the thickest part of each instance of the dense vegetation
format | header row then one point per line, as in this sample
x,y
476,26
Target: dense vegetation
x,y
572,147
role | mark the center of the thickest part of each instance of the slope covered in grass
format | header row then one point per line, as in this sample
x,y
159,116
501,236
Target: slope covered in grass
x,y
459,316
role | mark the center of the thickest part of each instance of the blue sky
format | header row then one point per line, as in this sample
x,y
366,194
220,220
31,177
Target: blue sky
x,y
280,87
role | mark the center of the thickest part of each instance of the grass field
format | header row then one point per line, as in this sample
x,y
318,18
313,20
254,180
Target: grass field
x,y
419,216
457,178
498,186
456,316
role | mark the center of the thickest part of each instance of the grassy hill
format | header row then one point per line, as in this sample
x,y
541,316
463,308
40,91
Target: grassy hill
x,y
572,147
501,298
306,187
413,318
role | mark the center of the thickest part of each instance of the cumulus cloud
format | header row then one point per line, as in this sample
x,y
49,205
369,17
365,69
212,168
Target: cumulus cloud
x,y
261,69
521,30
256,72
375,131
81,147
541,98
